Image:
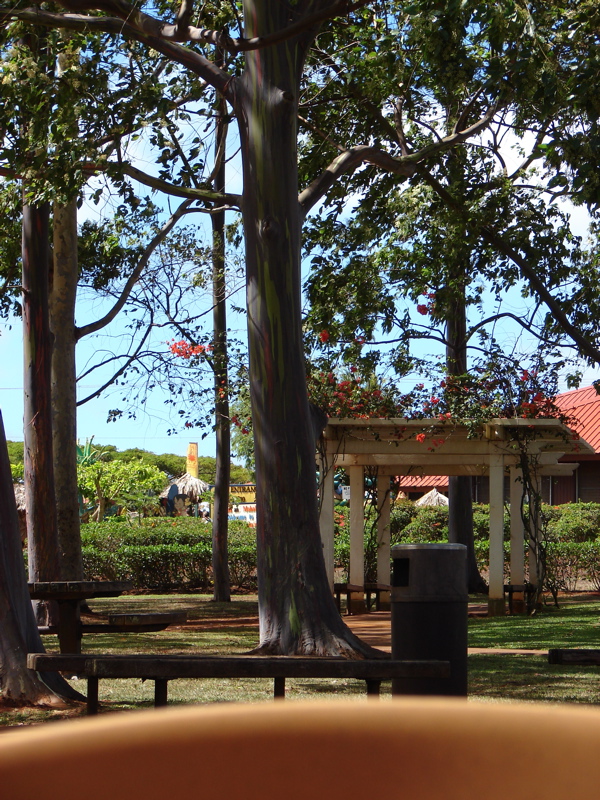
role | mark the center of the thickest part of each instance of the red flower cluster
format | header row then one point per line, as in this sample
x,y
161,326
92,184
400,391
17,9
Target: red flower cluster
x,y
184,349
243,425
427,308
349,398
537,406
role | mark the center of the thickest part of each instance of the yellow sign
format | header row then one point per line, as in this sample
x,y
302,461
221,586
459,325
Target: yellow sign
x,y
191,465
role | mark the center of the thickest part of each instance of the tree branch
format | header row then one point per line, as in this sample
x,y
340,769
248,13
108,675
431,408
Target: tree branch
x,y
187,192
527,271
131,24
92,327
120,371
181,31
406,165
184,15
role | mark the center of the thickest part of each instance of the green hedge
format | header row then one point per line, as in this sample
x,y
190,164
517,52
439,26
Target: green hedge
x,y
165,554
573,533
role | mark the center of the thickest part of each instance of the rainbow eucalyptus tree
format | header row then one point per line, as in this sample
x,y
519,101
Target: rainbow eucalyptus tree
x,y
18,628
297,611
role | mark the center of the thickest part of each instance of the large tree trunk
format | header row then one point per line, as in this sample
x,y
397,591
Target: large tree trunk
x,y
296,607
42,535
460,488
220,563
64,391
18,628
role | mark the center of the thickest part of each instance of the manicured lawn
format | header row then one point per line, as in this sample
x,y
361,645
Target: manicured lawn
x,y
219,628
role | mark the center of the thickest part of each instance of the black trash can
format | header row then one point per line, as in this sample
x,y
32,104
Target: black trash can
x,y
429,614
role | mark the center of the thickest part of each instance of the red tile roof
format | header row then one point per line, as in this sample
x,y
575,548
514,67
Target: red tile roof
x,y
583,405
417,482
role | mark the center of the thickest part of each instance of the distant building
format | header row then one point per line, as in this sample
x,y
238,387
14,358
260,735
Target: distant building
x,y
583,406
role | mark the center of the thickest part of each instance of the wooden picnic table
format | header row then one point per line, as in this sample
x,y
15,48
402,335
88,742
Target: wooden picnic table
x,y
68,595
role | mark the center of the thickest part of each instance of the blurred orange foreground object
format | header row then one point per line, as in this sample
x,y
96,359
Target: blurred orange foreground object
x,y
404,748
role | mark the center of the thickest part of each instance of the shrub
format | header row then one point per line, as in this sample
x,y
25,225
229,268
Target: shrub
x,y
165,553
430,524
574,522
242,555
590,563
403,512
564,566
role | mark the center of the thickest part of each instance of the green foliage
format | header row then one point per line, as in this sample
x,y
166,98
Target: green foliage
x,y
429,525
172,465
573,522
15,452
133,484
18,472
87,454
10,249
242,440
164,553
573,550
241,545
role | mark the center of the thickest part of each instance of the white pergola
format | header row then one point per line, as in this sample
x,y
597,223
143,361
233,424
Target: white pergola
x,y
442,448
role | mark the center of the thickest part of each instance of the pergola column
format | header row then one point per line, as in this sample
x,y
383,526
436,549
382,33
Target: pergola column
x,y
533,571
517,539
383,539
496,569
356,575
326,517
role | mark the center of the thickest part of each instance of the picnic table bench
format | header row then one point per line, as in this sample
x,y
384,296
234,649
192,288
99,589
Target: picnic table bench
x,y
145,622
70,594
574,657
526,589
162,669
369,588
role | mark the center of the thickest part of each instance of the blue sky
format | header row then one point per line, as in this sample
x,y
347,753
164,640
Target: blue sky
x,y
149,430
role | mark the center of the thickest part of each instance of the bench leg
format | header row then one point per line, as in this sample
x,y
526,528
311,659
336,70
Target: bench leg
x,y
373,687
160,692
338,601
92,696
279,688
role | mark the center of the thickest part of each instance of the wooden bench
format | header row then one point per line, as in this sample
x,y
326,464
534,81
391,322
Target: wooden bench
x,y
369,589
587,657
376,589
526,589
127,623
345,588
162,669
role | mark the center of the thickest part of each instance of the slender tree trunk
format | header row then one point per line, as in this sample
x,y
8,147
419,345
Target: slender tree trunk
x,y
460,488
297,611
220,563
42,533
64,391
18,628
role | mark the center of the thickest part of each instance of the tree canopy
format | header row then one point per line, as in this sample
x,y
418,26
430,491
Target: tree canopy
x,y
385,95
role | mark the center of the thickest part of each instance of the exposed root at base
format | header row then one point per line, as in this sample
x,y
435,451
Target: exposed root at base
x,y
334,647
47,701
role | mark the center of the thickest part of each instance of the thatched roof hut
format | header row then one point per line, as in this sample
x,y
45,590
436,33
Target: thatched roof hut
x,y
432,498
192,487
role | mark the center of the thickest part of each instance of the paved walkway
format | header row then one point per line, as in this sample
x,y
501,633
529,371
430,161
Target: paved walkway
x,y
376,629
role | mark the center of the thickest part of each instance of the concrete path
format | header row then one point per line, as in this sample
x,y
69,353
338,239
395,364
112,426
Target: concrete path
x,y
376,629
